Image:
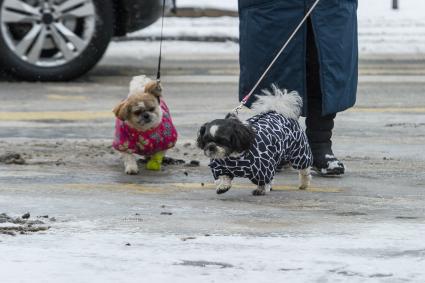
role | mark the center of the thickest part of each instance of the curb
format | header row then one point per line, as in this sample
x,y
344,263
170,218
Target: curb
x,y
192,12
179,38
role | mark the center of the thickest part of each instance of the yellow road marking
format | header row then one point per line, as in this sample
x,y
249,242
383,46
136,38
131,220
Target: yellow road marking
x,y
134,187
90,115
310,189
389,109
250,186
67,97
55,115
167,187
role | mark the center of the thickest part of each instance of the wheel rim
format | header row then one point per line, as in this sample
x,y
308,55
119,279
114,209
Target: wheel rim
x,y
47,33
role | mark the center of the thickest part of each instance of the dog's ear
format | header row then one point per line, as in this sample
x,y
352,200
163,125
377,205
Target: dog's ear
x,y
121,110
242,137
154,87
199,141
231,115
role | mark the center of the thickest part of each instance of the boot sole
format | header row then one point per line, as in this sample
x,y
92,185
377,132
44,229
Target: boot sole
x,y
329,172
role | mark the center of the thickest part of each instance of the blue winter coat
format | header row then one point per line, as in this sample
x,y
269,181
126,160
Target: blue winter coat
x,y
266,24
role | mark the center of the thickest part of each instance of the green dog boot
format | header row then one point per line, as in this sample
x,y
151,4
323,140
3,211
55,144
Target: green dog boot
x,y
155,162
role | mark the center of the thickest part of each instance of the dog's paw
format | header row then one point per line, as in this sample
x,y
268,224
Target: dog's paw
x,y
262,190
224,183
305,178
259,192
155,161
222,188
131,170
153,165
303,187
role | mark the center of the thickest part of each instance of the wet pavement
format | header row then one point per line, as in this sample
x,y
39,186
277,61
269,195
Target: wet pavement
x,y
366,226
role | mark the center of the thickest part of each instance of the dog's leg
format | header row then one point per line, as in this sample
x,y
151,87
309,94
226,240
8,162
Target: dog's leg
x,y
155,161
305,178
224,183
130,164
262,190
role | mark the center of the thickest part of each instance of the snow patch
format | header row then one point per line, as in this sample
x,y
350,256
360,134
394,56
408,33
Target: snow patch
x,y
370,251
382,30
8,225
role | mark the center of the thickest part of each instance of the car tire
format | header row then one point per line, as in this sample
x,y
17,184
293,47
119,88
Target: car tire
x,y
95,47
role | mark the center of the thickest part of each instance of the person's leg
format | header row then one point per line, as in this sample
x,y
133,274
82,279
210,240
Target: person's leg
x,y
319,127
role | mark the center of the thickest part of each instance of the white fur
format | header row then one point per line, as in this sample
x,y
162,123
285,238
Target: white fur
x,y
137,84
262,190
219,153
130,163
224,183
279,100
213,130
305,178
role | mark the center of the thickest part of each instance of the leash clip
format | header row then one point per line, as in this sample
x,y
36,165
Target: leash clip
x,y
237,109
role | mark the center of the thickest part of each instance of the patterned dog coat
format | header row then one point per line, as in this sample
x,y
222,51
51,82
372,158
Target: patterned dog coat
x,y
278,139
130,140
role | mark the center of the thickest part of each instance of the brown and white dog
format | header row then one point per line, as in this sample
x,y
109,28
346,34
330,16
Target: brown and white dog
x,y
143,125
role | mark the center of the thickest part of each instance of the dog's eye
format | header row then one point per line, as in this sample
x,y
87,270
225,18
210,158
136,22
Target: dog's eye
x,y
223,141
151,109
137,112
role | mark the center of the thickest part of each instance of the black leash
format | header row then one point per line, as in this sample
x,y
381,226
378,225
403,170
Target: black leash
x,y
158,74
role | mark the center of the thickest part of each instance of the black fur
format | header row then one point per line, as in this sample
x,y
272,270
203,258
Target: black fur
x,y
201,133
231,116
241,137
277,139
231,134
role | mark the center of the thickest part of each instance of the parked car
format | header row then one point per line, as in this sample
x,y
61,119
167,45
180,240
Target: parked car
x,y
53,40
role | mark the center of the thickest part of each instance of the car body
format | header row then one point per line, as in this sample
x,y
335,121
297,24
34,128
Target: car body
x,y
54,40
132,15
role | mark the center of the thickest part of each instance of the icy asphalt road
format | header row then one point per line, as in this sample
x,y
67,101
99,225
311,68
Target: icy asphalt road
x,y
171,226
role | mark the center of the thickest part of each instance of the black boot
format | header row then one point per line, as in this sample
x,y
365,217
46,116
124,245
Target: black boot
x,y
319,133
319,128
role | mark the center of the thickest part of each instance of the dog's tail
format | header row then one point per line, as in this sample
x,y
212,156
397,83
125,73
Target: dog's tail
x,y
138,83
287,104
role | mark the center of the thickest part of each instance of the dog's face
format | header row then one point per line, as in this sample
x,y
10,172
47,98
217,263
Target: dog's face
x,y
141,109
225,137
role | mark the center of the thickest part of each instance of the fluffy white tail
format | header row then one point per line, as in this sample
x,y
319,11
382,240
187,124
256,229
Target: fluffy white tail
x,y
138,83
279,100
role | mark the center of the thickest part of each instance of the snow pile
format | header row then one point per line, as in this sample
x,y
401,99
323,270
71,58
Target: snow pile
x,y
141,50
373,253
231,5
381,29
20,225
195,27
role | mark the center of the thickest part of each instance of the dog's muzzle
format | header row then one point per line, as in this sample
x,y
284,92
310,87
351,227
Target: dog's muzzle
x,y
212,150
145,118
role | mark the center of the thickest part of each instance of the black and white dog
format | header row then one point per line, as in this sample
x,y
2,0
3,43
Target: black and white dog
x,y
255,149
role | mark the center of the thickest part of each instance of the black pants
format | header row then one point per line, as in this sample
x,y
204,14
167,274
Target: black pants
x,y
319,127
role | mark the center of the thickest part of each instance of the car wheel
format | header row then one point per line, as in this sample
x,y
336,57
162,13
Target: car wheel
x,y
53,40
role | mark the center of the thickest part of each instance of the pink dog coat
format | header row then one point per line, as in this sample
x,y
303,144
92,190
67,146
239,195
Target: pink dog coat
x,y
130,140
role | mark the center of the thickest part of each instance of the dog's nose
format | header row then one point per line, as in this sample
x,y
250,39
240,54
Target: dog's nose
x,y
211,147
146,118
